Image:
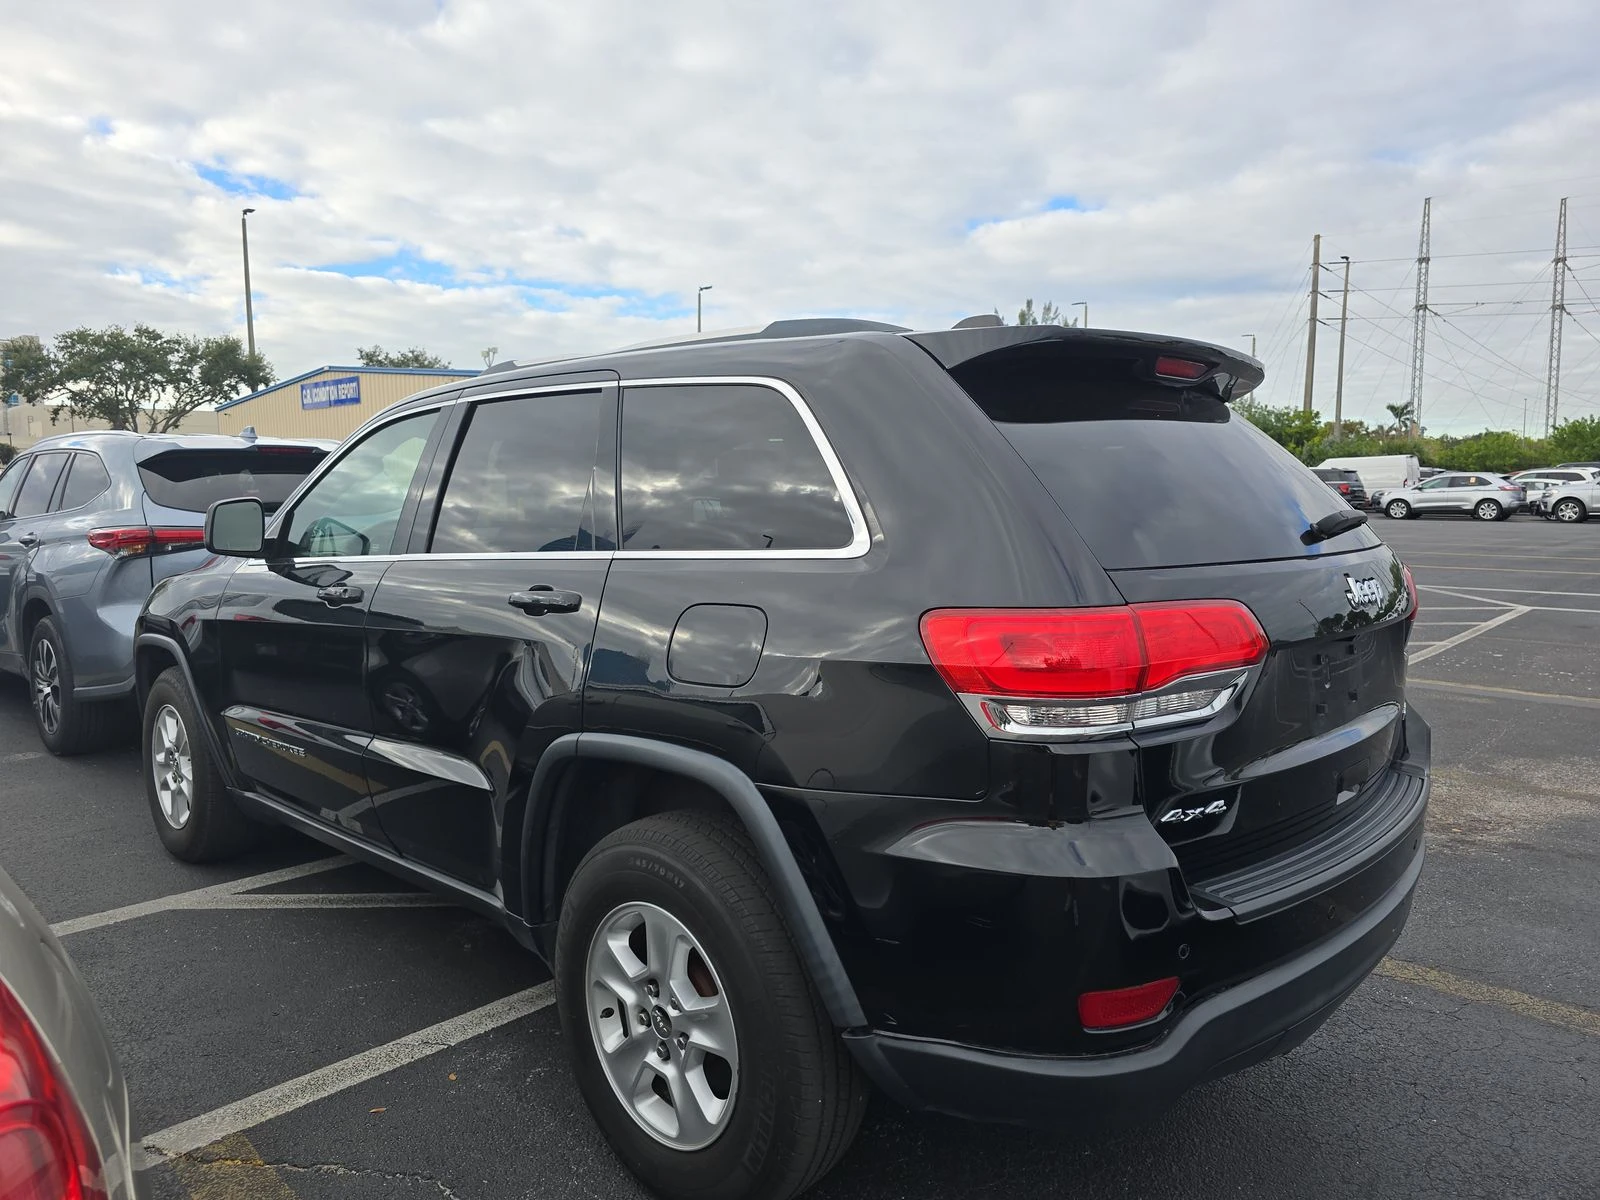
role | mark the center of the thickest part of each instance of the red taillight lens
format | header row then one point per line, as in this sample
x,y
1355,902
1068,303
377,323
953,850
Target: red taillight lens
x,y
1088,652
127,543
1411,591
1121,1007
45,1149
1036,652
1179,368
1192,637
1344,489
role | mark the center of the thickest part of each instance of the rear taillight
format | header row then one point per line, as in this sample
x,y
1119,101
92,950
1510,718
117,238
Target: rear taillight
x,y
1411,592
1509,487
1122,1007
1344,489
1070,673
131,542
46,1152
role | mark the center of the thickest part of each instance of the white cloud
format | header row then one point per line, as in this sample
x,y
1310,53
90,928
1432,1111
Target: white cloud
x,y
559,178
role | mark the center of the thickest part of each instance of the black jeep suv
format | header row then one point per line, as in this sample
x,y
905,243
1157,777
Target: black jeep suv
x,y
818,705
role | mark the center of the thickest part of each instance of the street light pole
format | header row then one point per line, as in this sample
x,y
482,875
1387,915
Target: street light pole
x,y
1344,320
1252,338
249,312
700,291
1083,304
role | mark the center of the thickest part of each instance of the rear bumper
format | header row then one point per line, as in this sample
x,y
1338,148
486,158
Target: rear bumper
x,y
1254,1020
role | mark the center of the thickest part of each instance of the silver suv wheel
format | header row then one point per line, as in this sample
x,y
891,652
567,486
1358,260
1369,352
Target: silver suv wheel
x,y
47,685
172,767
662,1026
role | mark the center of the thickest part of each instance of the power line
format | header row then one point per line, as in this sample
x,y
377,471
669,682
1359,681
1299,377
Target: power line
x,y
1472,254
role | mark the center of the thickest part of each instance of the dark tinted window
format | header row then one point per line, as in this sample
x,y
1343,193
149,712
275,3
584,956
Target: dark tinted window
x,y
195,479
523,478
724,467
34,497
86,479
1152,475
10,481
354,509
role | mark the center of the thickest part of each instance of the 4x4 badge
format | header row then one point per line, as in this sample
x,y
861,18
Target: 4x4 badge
x,y
1362,592
1215,808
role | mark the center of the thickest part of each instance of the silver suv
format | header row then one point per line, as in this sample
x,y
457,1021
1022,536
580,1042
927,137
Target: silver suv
x,y
1487,497
89,523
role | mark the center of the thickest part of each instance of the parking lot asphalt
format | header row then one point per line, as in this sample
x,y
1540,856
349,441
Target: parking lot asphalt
x,y
294,1026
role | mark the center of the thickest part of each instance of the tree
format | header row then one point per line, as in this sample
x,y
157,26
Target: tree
x,y
1404,415
1576,441
25,368
138,379
416,358
1050,314
1291,427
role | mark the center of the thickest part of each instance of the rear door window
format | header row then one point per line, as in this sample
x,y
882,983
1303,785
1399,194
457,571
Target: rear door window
x,y
523,480
86,480
34,497
193,480
1152,475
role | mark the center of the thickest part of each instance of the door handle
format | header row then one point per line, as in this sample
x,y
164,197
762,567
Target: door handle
x,y
29,540
339,594
541,599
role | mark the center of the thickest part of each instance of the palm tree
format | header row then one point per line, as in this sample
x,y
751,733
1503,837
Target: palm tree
x,y
1404,414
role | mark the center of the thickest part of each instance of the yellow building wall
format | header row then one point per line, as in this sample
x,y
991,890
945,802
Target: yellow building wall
x,y
24,424
276,412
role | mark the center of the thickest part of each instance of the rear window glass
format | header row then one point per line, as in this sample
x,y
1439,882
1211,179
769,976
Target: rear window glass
x,y
1150,475
193,480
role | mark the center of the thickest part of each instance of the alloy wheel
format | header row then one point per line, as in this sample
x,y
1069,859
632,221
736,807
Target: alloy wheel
x,y
1488,510
47,685
662,1026
1568,510
173,766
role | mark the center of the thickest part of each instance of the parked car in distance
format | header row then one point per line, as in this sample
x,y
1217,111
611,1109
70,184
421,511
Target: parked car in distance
x,y
1485,496
1590,465
1344,481
802,769
1538,481
1381,472
1570,501
65,1129
89,522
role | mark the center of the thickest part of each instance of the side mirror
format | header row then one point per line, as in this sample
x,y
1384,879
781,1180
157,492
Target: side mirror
x,y
237,528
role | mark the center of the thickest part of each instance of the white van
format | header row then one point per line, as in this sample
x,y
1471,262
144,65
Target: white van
x,y
1381,472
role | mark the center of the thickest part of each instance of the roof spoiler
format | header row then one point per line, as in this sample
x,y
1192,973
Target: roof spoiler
x,y
1178,361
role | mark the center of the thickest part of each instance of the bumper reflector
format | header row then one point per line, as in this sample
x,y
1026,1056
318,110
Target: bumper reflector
x,y
1121,1007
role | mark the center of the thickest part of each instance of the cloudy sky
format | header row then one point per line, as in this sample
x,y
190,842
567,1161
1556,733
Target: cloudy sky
x,y
550,178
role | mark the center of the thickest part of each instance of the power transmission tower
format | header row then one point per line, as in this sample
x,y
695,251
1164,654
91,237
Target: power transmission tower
x,y
1311,325
1558,309
1419,314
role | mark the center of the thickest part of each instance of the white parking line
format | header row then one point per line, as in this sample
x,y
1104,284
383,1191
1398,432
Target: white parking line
x,y
1512,591
1467,634
205,897
188,1136
329,900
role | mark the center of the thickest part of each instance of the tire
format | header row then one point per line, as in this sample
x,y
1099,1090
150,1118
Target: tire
x,y
212,828
1397,510
1569,511
1487,510
792,1097
66,725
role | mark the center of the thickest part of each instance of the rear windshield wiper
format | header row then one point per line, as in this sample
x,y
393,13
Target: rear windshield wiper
x,y
1332,525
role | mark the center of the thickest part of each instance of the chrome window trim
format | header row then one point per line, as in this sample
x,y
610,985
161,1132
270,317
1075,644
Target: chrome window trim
x,y
110,483
860,539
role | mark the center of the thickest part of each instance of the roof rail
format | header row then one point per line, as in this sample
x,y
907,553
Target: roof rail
x,y
792,328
